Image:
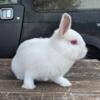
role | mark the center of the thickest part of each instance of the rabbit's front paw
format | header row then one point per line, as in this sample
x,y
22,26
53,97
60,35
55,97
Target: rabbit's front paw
x,y
63,82
28,81
26,86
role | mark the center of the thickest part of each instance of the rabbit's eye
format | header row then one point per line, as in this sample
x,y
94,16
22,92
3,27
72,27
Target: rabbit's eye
x,y
74,42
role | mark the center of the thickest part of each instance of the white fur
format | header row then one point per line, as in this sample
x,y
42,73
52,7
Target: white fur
x,y
48,58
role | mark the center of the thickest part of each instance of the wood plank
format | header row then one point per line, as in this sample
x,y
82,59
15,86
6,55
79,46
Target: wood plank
x,y
46,87
82,70
84,75
80,89
85,70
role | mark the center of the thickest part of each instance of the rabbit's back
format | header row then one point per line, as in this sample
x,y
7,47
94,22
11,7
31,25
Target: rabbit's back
x,y
29,54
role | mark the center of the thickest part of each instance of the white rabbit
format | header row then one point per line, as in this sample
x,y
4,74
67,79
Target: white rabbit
x,y
49,58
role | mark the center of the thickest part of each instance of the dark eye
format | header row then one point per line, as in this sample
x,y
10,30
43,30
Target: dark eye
x,y
74,42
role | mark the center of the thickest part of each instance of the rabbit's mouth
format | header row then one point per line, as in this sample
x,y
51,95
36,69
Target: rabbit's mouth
x,y
83,53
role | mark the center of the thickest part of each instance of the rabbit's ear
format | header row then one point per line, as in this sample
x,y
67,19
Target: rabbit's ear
x,y
65,23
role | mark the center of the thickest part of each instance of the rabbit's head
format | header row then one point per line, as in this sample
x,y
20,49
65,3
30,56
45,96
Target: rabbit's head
x,y
68,40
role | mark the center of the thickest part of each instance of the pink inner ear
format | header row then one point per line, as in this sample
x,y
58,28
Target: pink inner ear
x,y
74,42
64,25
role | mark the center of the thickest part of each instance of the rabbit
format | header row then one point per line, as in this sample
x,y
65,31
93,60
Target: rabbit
x,y
49,59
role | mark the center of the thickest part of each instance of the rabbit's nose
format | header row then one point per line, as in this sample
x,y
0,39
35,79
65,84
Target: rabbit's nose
x,y
86,49
83,52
